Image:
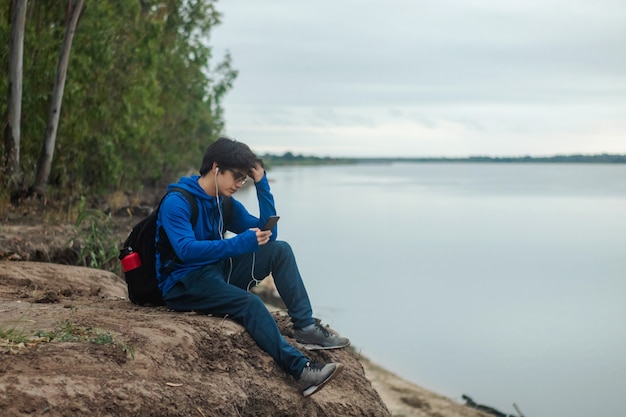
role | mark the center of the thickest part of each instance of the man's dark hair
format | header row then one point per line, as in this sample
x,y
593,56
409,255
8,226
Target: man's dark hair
x,y
228,154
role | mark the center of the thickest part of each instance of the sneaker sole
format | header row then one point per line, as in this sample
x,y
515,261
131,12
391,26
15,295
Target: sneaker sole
x,y
315,388
320,347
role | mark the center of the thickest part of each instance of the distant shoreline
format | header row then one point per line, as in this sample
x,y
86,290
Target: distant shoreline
x,y
290,159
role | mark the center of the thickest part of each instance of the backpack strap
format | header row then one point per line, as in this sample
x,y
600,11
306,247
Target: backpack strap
x,y
165,245
192,202
227,205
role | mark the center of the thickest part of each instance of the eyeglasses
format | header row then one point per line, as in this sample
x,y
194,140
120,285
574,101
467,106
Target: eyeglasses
x,y
239,177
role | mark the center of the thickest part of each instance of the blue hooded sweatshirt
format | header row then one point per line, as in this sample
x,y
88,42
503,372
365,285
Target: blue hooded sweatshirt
x,y
204,244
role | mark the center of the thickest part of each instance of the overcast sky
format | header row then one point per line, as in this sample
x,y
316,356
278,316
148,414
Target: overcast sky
x,y
426,77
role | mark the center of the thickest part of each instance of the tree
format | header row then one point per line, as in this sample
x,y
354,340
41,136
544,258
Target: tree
x,y
191,91
14,93
44,163
141,100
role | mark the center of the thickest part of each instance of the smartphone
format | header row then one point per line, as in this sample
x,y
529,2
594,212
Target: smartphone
x,y
271,222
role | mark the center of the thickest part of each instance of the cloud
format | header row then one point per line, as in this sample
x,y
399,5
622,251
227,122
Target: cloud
x,y
427,77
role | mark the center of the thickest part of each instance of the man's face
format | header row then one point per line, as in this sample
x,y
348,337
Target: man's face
x,y
229,181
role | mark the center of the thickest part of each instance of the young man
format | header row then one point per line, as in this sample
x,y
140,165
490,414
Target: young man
x,y
211,274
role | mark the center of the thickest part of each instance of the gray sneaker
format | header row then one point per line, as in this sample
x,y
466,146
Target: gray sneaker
x,y
320,337
315,375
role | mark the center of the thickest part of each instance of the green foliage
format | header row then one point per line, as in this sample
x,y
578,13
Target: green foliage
x,y
102,339
69,332
98,242
141,100
12,336
288,158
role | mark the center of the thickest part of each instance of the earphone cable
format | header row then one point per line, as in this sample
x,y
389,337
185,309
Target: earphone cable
x,y
254,280
220,226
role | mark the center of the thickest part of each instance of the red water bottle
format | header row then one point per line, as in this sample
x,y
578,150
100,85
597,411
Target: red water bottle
x,y
131,261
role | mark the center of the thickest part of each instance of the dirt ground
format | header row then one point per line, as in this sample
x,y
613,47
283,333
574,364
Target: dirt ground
x,y
72,344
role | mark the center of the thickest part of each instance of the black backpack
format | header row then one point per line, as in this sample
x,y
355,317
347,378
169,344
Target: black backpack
x,y
142,282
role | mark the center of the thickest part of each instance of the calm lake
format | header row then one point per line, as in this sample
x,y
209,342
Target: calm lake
x,y
505,282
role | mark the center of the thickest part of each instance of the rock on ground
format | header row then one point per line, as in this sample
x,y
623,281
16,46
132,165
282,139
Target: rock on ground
x,y
73,345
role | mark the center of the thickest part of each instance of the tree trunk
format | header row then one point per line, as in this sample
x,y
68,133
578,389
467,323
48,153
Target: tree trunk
x,y
14,95
44,163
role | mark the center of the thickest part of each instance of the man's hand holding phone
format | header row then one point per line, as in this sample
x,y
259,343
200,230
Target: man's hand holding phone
x,y
263,235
